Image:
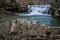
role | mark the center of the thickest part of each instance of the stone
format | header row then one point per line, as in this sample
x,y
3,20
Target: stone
x,y
28,29
13,26
57,13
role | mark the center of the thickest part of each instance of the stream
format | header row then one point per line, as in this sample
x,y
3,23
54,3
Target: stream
x,y
38,14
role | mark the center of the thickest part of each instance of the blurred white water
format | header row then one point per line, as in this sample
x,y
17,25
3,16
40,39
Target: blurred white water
x,y
38,10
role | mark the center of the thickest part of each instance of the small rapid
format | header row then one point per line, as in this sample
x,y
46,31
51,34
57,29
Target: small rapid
x,y
39,14
37,10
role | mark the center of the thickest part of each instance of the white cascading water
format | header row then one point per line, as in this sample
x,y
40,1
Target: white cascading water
x,y
38,10
39,14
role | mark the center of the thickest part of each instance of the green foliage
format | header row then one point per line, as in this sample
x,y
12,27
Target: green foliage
x,y
56,0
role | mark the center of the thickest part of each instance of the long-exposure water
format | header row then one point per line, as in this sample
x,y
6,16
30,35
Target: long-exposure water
x,y
38,14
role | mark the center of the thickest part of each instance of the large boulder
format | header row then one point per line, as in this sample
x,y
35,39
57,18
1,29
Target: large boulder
x,y
57,13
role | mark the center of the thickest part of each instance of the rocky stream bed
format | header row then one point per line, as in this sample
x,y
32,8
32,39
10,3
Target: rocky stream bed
x,y
21,29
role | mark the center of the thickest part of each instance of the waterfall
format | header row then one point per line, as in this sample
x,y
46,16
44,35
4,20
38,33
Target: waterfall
x,y
38,10
39,14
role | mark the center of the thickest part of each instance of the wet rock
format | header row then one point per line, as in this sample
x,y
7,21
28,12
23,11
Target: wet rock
x,y
13,26
57,13
2,37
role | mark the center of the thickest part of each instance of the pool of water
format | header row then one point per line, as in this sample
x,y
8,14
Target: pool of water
x,y
8,19
41,19
38,14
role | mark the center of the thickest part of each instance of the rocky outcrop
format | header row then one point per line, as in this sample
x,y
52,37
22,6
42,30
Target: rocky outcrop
x,y
21,5
2,13
57,13
54,33
22,29
27,30
54,10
